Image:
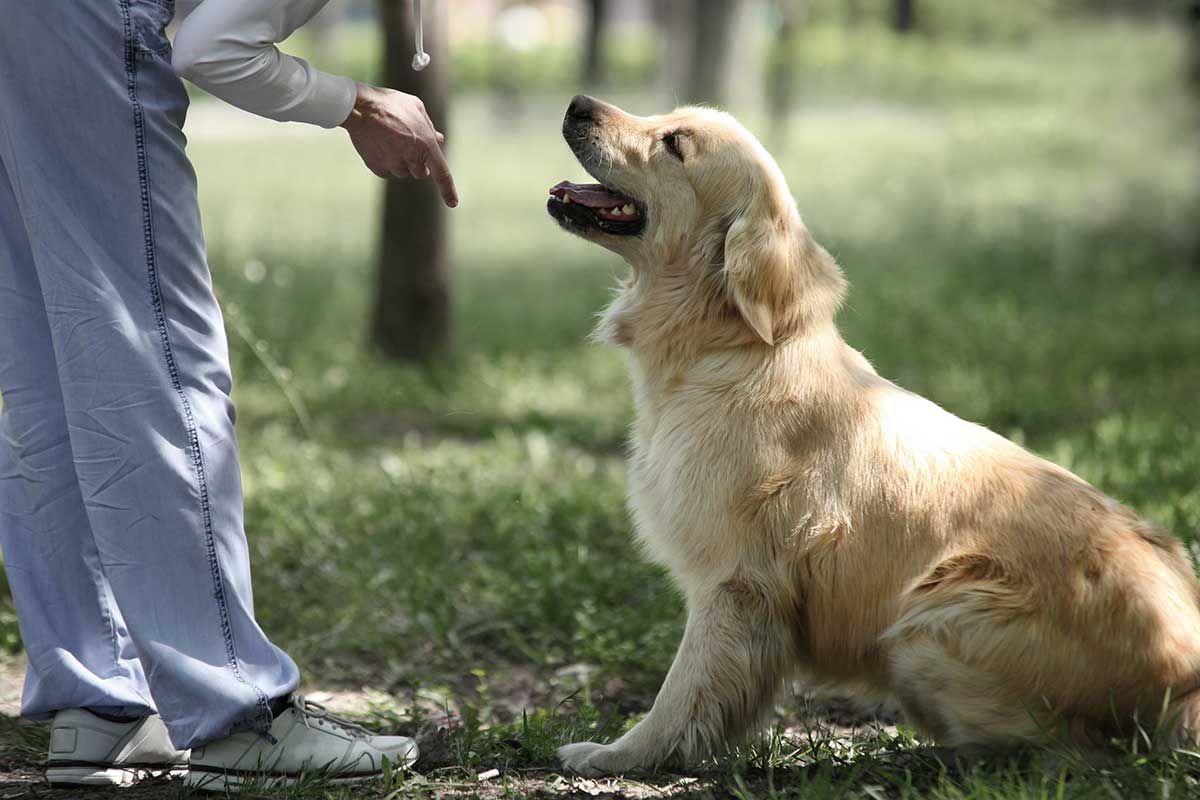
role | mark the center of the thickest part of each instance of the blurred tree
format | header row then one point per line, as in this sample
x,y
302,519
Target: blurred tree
x,y
322,28
904,15
594,71
854,13
675,52
784,64
714,23
701,54
1193,21
412,301
1193,18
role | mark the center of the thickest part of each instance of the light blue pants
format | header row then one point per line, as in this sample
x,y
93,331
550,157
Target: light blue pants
x,y
120,491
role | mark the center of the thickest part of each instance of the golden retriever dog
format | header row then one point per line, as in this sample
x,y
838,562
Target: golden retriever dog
x,y
822,521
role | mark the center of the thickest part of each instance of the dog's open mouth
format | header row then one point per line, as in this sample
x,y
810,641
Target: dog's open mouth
x,y
591,206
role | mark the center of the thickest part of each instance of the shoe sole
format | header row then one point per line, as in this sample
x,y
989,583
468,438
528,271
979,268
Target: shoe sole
x,y
110,776
223,782
215,779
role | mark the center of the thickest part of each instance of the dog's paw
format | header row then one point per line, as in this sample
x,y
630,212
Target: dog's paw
x,y
578,758
592,760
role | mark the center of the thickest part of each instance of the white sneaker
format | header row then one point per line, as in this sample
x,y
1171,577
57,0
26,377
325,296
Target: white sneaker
x,y
304,742
87,750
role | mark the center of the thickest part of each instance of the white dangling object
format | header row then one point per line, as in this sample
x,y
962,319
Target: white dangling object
x,y
421,58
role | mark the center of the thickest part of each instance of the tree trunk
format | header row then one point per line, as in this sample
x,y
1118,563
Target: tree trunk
x,y
854,13
711,58
412,302
784,66
673,18
713,51
904,15
1193,20
594,68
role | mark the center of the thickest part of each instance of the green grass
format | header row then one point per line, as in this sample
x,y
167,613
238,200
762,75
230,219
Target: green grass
x,y
1018,221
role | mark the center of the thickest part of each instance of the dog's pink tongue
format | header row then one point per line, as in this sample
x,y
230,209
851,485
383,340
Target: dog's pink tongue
x,y
592,195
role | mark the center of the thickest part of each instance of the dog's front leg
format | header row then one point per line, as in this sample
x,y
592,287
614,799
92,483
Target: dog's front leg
x,y
725,674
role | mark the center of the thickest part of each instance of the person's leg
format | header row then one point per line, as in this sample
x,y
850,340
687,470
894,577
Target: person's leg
x,y
96,156
79,652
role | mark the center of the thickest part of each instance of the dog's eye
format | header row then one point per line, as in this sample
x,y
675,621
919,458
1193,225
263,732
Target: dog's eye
x,y
671,142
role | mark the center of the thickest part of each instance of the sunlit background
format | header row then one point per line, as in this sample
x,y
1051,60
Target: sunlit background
x,y
1011,188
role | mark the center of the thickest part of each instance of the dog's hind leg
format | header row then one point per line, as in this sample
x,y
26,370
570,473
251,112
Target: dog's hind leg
x,y
1182,722
727,671
955,703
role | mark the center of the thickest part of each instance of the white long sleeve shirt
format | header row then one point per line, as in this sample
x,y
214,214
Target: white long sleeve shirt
x,y
228,48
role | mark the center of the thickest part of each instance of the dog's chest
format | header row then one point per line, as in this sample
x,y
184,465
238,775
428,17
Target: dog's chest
x,y
682,483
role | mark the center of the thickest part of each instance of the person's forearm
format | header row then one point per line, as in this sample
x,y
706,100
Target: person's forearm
x,y
227,47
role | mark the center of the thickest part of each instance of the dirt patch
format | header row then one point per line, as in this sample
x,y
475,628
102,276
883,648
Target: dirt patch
x,y
507,693
12,678
540,784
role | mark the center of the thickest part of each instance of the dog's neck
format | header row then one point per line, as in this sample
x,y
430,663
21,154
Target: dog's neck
x,y
815,377
667,315
669,347
680,326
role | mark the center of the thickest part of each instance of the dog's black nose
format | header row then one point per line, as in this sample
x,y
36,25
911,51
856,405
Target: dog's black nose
x,y
582,107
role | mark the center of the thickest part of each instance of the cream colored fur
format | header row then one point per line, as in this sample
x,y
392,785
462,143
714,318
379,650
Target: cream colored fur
x,y
820,519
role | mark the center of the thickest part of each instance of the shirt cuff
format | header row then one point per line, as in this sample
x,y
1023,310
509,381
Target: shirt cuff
x,y
332,99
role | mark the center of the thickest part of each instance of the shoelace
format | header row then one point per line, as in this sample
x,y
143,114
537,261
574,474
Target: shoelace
x,y
309,710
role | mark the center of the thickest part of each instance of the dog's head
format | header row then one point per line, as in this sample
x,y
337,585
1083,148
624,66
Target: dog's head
x,y
701,211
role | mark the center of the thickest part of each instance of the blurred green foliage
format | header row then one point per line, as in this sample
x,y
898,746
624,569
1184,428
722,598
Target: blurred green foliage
x,y
1017,217
834,31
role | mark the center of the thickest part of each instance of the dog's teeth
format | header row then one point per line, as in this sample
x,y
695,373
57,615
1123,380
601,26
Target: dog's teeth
x,y
567,198
628,209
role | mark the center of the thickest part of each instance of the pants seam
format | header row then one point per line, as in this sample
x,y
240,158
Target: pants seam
x,y
106,614
102,584
263,718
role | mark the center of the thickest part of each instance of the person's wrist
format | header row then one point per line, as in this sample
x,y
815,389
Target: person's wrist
x,y
360,109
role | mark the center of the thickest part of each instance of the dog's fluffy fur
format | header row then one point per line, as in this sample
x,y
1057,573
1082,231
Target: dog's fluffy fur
x,y
821,520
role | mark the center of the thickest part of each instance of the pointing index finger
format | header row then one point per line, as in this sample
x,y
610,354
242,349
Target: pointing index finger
x,y
440,172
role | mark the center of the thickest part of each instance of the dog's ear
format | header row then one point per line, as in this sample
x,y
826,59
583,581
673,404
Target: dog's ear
x,y
759,264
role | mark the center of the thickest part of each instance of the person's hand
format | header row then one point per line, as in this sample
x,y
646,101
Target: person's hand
x,y
396,138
